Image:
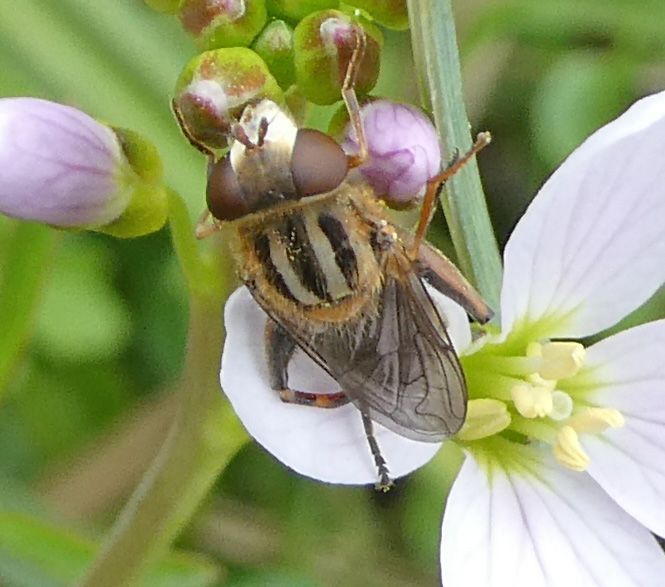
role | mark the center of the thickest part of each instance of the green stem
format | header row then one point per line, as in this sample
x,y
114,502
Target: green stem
x,y
203,438
440,79
201,274
24,264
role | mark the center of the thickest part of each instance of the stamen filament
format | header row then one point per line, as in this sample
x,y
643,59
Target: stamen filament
x,y
493,385
511,366
541,430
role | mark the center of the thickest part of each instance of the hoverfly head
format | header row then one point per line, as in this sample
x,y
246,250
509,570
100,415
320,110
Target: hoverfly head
x,y
272,161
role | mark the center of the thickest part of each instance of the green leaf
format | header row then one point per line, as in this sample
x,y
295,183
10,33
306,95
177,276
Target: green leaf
x,y
35,553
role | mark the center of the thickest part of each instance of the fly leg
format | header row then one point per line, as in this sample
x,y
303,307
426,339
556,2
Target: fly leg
x,y
385,482
279,347
434,184
351,100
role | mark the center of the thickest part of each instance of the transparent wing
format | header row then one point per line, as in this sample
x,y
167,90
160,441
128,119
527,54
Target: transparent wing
x,y
396,364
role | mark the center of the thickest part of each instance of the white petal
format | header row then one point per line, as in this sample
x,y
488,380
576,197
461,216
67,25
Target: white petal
x,y
454,317
542,526
328,445
629,462
590,248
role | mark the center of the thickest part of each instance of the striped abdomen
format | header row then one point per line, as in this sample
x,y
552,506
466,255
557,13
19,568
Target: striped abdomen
x,y
316,256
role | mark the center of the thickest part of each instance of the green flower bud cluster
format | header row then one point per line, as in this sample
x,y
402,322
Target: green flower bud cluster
x,y
294,52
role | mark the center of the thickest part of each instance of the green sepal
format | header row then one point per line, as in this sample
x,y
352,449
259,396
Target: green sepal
x,y
275,46
147,207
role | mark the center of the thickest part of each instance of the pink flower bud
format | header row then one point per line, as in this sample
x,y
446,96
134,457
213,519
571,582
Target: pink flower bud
x,y
404,151
58,165
61,167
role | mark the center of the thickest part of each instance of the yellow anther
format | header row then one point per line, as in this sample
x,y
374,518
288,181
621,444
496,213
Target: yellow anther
x,y
568,450
562,406
596,420
485,417
532,401
561,359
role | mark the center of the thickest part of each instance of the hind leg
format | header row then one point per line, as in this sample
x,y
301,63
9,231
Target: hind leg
x,y
280,346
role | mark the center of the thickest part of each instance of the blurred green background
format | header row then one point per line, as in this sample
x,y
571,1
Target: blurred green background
x,y
85,399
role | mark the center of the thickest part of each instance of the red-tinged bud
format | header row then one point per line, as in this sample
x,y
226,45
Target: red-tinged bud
x,y
324,43
223,23
213,90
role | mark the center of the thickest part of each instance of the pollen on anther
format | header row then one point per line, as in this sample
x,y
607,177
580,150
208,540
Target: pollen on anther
x,y
561,359
485,417
596,420
568,450
532,401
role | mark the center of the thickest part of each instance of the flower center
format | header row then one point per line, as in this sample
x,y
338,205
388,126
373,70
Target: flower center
x,y
529,398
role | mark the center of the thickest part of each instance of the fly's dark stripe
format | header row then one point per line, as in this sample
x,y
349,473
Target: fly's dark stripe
x,y
303,259
274,277
345,256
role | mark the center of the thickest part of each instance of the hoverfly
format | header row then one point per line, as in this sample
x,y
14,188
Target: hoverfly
x,y
314,246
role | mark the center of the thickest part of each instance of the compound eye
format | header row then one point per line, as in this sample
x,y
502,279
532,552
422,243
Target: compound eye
x,y
226,199
318,163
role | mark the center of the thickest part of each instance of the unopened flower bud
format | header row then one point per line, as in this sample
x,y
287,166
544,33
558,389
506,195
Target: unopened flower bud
x,y
404,151
223,23
213,90
390,13
61,167
275,46
324,43
297,9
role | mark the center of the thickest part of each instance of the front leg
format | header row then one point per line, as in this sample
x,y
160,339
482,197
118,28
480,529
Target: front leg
x,y
280,346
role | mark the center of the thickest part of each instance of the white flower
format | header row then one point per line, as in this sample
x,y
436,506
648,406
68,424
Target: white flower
x,y
567,497
566,490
